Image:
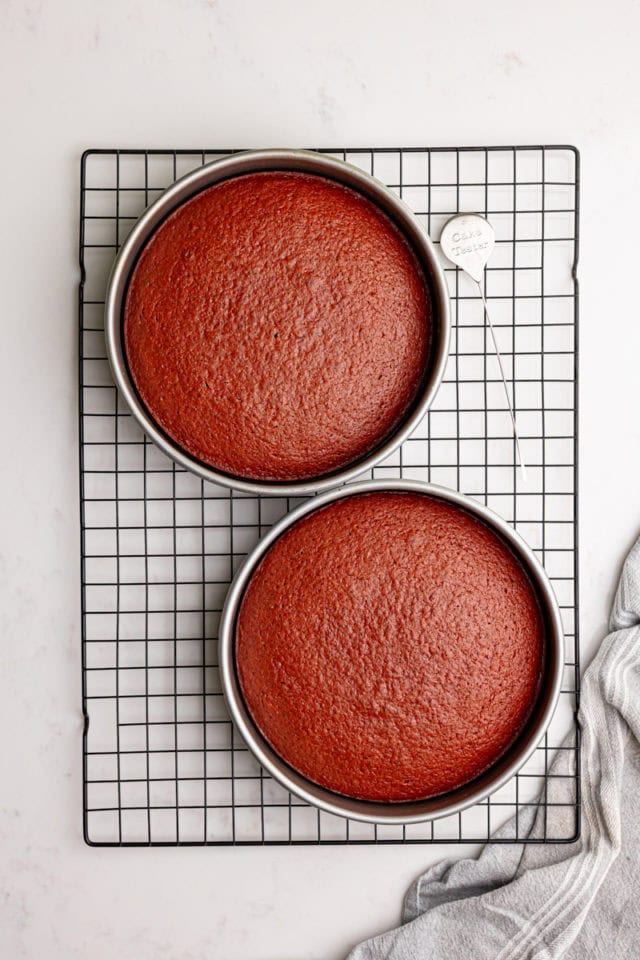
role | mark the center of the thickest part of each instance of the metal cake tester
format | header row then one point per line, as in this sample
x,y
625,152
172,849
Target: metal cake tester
x,y
468,241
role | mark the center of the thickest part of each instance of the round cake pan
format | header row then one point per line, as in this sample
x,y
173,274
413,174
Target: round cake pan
x,y
251,162
414,811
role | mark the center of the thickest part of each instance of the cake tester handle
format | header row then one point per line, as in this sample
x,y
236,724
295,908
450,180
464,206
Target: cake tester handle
x,y
468,241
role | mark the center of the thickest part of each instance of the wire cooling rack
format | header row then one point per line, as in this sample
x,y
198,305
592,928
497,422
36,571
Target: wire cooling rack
x,y
162,762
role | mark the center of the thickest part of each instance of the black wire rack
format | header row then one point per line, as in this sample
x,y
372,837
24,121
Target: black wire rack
x,y
162,762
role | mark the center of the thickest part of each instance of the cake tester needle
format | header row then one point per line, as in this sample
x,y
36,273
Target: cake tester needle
x,y
468,241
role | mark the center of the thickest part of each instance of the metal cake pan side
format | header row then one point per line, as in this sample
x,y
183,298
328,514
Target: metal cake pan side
x,y
251,162
414,811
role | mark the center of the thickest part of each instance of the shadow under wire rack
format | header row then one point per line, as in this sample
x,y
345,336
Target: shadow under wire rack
x,y
162,763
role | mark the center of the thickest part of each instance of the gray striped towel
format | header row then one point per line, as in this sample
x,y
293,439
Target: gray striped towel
x,y
581,900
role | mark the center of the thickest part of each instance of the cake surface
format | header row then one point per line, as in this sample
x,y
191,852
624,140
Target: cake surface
x,y
390,646
277,326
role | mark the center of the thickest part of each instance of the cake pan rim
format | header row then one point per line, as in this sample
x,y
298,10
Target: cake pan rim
x,y
252,161
411,811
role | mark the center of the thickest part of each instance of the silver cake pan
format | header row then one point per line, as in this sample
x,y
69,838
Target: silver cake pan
x,y
250,162
414,811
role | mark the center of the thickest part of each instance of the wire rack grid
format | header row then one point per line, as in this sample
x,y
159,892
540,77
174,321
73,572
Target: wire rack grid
x,y
162,762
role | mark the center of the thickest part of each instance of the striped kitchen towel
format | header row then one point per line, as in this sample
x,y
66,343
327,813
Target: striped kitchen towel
x,y
577,901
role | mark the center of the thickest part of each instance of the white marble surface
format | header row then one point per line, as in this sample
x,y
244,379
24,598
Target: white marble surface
x,y
245,72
